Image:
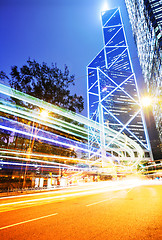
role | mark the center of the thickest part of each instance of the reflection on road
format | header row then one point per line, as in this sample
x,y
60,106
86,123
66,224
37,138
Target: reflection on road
x,y
24,201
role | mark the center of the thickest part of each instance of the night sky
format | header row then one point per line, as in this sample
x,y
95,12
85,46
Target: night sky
x,y
59,31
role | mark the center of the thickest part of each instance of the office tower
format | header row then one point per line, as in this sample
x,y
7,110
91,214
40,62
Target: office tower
x,y
146,21
113,99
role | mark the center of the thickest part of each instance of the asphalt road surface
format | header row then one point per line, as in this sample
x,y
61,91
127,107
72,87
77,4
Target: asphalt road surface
x,y
103,211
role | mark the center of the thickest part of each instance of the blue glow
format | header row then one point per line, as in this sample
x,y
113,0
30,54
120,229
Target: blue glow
x,y
112,93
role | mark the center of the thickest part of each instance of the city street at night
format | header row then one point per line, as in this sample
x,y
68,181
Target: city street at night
x,y
81,120
104,210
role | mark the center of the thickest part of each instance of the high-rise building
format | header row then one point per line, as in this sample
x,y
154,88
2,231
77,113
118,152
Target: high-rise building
x,y
113,99
146,21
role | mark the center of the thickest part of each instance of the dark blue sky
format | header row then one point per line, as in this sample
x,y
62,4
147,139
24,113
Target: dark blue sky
x,y
62,31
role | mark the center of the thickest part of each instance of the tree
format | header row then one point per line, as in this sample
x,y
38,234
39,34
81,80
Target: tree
x,y
48,83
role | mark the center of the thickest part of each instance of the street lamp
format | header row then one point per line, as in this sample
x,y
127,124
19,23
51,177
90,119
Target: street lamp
x,y
146,104
44,115
146,101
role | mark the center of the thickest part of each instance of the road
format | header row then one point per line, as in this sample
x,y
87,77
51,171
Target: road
x,y
107,210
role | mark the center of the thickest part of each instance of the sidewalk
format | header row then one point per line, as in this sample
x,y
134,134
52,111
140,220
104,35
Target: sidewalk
x,y
16,192
24,191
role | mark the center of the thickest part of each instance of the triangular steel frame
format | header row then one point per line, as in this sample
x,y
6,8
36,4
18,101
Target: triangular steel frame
x,y
112,94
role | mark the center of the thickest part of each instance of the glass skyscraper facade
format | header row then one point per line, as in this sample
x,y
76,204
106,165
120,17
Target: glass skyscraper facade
x,y
146,21
113,99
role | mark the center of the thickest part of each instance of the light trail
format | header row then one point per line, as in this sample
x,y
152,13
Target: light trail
x,y
72,127
62,112
27,159
50,121
34,160
57,157
64,194
50,165
30,131
59,140
43,138
48,139
36,118
29,165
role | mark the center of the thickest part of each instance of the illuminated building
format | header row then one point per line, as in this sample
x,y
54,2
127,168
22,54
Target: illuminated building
x,y
113,99
146,21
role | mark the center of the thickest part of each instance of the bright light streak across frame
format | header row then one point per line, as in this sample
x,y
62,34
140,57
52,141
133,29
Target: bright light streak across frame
x,y
62,112
46,166
57,157
37,135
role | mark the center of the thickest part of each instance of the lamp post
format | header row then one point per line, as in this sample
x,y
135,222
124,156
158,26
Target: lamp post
x,y
43,114
146,104
146,101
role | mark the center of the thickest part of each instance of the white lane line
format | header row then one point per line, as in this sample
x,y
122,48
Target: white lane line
x,y
91,204
31,220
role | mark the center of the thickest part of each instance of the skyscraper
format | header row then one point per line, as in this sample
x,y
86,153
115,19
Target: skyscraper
x,y
146,21
113,99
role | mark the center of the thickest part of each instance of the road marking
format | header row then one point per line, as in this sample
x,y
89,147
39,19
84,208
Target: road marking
x,y
91,204
45,200
71,189
31,220
60,197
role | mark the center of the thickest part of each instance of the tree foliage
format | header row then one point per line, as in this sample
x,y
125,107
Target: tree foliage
x,y
48,83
